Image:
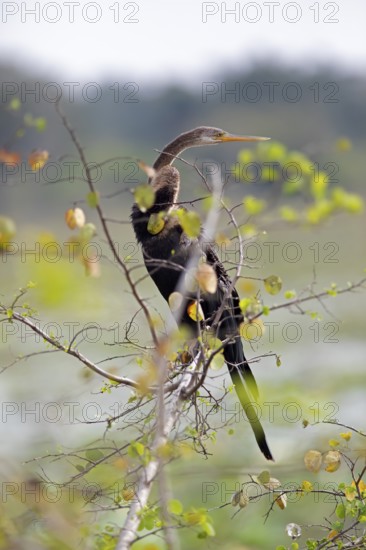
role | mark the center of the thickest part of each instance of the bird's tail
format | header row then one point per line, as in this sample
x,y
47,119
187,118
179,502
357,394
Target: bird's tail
x,y
240,372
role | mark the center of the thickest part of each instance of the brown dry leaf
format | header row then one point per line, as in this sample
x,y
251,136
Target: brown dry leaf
x,y
273,483
37,159
313,460
8,157
175,300
281,501
332,461
128,493
74,217
92,267
206,278
146,379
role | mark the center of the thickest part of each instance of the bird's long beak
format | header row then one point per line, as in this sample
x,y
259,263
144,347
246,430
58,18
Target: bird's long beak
x,y
231,137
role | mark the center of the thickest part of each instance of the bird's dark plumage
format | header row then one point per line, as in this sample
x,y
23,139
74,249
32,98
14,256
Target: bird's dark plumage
x,y
167,255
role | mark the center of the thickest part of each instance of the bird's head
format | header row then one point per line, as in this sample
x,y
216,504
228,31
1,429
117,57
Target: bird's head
x,y
203,135
206,135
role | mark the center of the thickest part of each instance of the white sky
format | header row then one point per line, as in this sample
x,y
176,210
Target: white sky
x,y
170,41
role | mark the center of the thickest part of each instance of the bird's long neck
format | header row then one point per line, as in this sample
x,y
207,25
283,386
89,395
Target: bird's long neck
x,y
174,148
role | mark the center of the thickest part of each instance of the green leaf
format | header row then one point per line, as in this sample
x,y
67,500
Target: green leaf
x,y
341,511
87,232
190,222
144,197
264,477
40,124
136,449
273,284
94,455
156,223
217,362
149,523
175,507
14,104
92,199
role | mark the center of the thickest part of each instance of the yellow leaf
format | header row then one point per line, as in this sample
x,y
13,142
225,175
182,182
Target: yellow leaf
x,y
313,461
343,144
195,312
289,214
206,278
361,486
333,533
318,185
221,238
350,493
332,461
253,206
38,159
306,486
217,362
253,330
147,379
246,286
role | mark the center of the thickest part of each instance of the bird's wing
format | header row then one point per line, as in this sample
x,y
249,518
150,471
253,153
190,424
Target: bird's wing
x,y
229,326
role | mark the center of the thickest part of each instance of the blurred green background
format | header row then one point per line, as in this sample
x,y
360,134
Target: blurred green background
x,y
322,373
